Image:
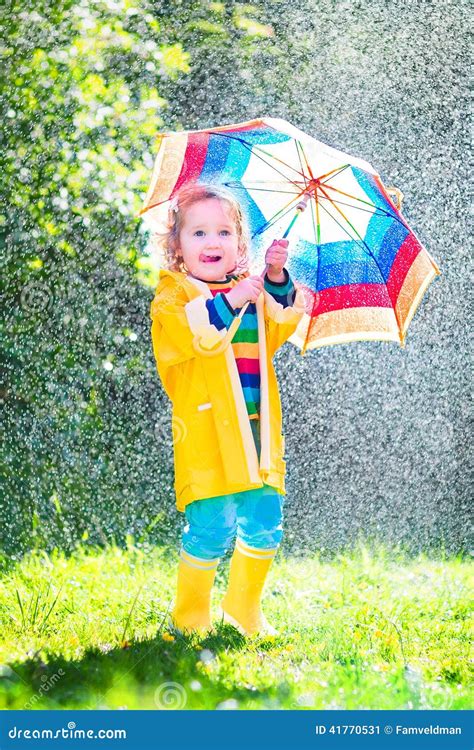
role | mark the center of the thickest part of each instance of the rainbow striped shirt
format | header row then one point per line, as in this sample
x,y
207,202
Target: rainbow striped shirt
x,y
245,341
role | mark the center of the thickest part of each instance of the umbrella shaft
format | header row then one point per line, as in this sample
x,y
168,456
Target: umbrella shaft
x,y
299,209
287,232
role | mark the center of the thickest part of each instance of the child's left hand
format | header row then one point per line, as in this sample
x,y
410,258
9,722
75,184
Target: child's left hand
x,y
277,255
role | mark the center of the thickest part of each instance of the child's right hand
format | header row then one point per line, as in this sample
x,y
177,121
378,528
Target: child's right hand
x,y
246,290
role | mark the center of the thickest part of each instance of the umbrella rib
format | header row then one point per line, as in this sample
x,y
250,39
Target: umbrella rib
x,y
276,216
247,186
333,173
257,182
330,175
306,160
377,209
360,200
255,150
239,186
342,214
348,195
298,146
318,232
273,219
364,244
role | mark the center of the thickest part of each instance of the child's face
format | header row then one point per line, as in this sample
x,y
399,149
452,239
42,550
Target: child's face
x,y
208,230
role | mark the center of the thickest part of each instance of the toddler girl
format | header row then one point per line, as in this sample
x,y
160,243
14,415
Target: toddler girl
x,y
218,372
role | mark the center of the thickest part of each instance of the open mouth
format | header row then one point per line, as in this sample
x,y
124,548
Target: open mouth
x,y
211,258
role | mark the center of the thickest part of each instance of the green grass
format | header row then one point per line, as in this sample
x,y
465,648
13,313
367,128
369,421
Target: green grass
x,y
370,630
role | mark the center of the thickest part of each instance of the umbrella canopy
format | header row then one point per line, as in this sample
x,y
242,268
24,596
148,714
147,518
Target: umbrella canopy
x,y
361,267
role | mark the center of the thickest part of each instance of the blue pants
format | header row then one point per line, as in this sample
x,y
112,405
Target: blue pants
x,y
254,515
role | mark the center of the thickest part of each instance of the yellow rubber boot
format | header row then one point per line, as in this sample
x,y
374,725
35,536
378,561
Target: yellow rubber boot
x,y
191,612
241,604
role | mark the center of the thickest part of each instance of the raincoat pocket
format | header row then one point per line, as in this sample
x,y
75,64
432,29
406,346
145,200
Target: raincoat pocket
x,y
203,455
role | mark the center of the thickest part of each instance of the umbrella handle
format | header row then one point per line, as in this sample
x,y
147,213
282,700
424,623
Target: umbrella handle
x,y
222,344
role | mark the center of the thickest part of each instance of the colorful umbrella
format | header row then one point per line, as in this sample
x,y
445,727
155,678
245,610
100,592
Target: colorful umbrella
x,y
361,268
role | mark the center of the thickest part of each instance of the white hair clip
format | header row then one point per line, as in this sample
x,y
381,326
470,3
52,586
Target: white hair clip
x,y
174,204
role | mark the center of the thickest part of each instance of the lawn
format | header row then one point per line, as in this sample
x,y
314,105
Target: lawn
x,y
368,630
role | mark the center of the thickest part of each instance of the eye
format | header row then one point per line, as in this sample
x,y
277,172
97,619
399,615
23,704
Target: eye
x,y
199,232
225,231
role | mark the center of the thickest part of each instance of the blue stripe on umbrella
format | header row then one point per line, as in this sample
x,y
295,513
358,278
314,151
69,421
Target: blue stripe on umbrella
x,y
216,158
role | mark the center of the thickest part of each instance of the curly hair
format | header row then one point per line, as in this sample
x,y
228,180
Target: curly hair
x,y
183,199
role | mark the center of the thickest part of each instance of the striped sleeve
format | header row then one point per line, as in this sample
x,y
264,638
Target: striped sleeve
x,y
221,312
284,292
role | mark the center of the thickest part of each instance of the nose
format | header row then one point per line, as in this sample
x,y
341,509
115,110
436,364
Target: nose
x,y
214,243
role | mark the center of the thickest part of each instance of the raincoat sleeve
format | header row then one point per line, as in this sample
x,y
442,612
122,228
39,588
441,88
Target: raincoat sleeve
x,y
284,308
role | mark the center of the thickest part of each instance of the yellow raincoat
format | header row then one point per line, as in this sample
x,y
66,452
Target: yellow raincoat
x,y
214,449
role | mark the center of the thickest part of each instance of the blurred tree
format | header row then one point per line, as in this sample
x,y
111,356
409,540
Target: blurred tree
x,y
80,108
